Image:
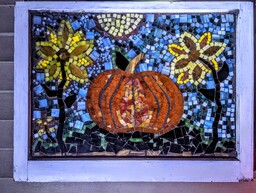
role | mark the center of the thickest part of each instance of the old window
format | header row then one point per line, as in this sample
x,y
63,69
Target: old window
x,y
164,89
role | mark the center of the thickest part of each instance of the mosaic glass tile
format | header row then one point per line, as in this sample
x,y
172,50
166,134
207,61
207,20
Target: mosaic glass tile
x,y
132,84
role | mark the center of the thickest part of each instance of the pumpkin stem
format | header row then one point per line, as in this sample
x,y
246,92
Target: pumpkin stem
x,y
133,63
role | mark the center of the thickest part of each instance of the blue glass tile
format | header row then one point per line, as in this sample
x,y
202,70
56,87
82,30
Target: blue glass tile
x,y
176,27
85,26
208,124
37,20
131,54
53,135
79,125
82,92
160,19
108,65
86,117
215,38
205,18
90,35
167,22
183,18
38,89
230,18
55,112
223,95
138,42
150,17
40,77
106,42
143,67
75,25
91,24
43,103
94,55
81,106
166,70
37,114
158,32
210,85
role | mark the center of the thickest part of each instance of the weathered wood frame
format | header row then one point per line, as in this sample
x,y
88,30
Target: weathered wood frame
x,y
180,170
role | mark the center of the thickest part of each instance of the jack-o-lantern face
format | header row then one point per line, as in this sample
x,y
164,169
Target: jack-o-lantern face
x,y
120,101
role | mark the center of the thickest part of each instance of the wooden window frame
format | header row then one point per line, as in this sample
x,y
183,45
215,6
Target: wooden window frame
x,y
137,170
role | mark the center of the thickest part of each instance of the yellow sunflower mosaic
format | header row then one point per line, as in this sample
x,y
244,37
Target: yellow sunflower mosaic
x,y
66,51
187,65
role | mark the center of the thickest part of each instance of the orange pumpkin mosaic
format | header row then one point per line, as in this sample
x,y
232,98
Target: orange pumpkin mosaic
x,y
120,101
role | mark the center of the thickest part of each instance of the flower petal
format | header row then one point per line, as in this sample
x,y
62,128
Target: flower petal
x,y
181,61
183,78
213,50
80,49
204,66
189,41
176,50
52,69
63,33
47,51
197,71
205,39
76,71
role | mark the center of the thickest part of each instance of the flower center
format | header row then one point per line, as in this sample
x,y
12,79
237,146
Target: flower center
x,y
194,55
63,55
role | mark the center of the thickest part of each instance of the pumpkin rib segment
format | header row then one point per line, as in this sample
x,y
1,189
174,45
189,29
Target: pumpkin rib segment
x,y
100,97
105,101
168,100
177,107
111,100
163,102
125,112
133,102
93,98
143,115
116,101
155,97
160,96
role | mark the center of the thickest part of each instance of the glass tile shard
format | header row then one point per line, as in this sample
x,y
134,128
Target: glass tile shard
x,y
132,84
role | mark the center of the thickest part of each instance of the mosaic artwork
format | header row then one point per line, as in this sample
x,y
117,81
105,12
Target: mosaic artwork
x,y
132,84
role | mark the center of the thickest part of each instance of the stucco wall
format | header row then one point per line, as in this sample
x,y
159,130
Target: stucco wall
x,y
7,185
